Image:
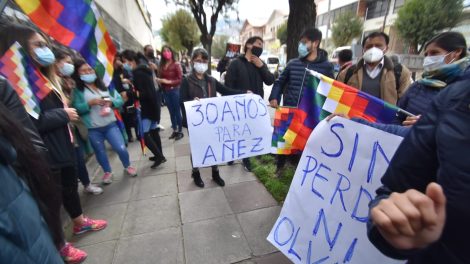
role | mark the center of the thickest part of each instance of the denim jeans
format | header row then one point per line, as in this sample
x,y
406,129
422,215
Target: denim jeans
x,y
113,135
148,125
172,99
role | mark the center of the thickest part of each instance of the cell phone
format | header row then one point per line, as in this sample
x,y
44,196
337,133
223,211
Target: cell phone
x,y
106,99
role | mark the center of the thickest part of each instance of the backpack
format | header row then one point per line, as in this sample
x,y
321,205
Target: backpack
x,y
397,69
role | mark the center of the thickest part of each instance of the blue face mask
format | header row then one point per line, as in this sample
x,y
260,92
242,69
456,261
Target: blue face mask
x,y
88,78
303,50
67,69
127,67
44,56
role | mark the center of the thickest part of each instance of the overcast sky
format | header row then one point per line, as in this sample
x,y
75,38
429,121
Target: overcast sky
x,y
247,9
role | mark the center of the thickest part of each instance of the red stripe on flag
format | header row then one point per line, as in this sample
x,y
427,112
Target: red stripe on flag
x,y
50,26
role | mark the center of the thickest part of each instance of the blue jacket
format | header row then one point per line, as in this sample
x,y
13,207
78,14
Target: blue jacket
x,y
437,149
290,81
24,235
389,128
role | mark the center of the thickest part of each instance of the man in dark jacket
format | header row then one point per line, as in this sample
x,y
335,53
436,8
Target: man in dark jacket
x,y
311,57
248,73
421,213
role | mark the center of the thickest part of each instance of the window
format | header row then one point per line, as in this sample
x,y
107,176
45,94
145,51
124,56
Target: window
x,y
377,8
333,14
398,5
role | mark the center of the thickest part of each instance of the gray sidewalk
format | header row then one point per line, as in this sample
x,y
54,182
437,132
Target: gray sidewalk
x,y
162,217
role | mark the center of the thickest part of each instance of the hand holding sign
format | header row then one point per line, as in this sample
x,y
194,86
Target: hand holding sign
x,y
411,219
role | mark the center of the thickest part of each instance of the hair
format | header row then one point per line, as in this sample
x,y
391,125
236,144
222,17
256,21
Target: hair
x,y
312,34
345,55
146,46
251,41
81,84
60,53
375,35
449,41
200,52
164,61
131,55
11,33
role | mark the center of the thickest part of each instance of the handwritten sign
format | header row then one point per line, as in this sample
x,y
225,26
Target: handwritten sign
x,y
227,128
324,217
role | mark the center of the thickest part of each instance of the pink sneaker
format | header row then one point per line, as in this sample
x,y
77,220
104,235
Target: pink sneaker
x,y
72,255
89,225
131,171
107,177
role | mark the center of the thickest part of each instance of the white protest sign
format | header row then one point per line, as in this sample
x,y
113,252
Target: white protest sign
x,y
323,219
227,128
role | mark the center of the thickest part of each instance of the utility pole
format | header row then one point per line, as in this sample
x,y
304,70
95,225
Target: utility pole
x,y
386,14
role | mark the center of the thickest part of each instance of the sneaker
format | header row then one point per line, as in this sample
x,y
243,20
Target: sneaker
x,y
89,225
107,178
156,163
161,127
155,158
216,177
131,171
246,164
197,178
179,136
173,135
93,189
72,255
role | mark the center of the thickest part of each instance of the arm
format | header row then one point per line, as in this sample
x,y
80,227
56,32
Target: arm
x,y
51,119
231,74
142,83
224,90
79,103
116,99
279,84
389,128
184,91
266,75
179,75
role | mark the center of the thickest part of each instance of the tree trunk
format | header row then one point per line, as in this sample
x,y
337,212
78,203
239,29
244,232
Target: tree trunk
x,y
302,14
207,44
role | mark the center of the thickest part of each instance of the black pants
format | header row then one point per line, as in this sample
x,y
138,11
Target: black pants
x,y
130,122
67,180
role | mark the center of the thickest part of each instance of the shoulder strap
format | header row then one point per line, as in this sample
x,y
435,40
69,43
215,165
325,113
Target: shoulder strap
x,y
397,71
349,73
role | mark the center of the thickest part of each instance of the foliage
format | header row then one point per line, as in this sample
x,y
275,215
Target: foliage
x,y
419,20
180,31
282,33
219,46
346,27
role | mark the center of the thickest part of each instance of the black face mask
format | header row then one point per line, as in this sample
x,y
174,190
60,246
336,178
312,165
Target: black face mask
x,y
257,51
150,55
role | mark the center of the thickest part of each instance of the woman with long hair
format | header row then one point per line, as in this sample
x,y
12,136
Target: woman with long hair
x,y
52,125
95,103
170,76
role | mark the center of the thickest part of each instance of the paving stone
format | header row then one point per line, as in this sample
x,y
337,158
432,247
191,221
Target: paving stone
x,y
275,258
113,214
235,174
186,182
256,225
169,151
154,186
247,196
215,241
150,215
114,193
183,163
182,150
203,204
101,253
164,246
164,168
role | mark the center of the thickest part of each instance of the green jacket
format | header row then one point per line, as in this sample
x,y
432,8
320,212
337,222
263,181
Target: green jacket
x,y
83,109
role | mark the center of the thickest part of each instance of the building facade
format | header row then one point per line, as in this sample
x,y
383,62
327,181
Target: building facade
x,y
251,28
275,21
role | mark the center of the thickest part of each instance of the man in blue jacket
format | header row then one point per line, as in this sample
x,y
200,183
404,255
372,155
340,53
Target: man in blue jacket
x,y
421,212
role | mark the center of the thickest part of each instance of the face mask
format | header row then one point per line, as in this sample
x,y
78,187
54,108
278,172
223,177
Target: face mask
x,y
150,55
257,51
125,86
88,78
200,67
67,69
44,56
431,63
303,50
167,55
373,54
127,67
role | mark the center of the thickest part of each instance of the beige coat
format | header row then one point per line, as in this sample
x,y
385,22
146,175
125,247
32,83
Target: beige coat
x,y
388,89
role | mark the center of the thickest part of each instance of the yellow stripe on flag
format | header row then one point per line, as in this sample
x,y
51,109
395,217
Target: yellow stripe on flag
x,y
28,6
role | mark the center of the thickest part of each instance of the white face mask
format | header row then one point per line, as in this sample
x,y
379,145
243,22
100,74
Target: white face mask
x,y
431,63
200,67
373,54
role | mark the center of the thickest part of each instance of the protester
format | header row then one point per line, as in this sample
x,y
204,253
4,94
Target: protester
x,y
289,83
94,103
344,59
222,65
185,65
381,78
249,72
52,125
170,76
144,81
24,234
197,85
64,69
421,212
154,63
445,60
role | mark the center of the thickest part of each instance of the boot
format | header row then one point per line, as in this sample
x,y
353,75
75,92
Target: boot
x,y
156,138
216,177
150,143
197,178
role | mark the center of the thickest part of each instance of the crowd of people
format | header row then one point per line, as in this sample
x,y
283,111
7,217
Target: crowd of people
x,y
418,214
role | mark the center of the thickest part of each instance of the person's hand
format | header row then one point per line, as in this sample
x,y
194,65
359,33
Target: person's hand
x,y
249,91
412,219
343,115
256,61
95,101
127,81
273,103
411,120
196,98
163,81
153,66
72,114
